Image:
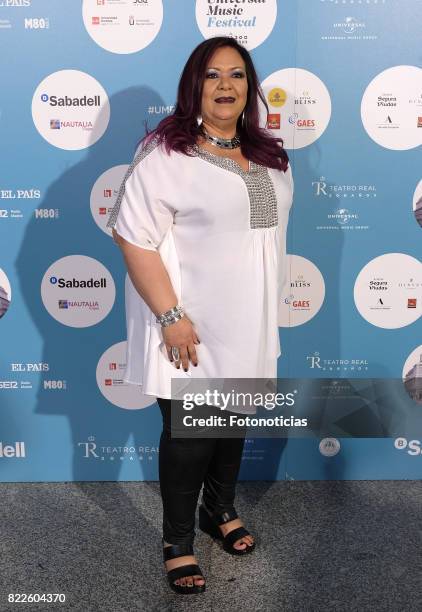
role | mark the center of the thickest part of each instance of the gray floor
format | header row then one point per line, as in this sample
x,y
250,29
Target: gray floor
x,y
320,546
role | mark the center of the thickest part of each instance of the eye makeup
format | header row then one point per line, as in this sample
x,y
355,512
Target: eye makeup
x,y
213,73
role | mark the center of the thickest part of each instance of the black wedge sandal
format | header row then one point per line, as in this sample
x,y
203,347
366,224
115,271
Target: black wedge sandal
x,y
180,550
209,523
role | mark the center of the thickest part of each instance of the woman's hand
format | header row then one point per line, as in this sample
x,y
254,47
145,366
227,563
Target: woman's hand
x,y
182,335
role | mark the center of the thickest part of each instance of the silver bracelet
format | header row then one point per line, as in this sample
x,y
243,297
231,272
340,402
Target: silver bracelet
x,y
170,316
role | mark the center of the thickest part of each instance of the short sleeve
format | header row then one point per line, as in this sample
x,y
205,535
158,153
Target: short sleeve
x,y
141,215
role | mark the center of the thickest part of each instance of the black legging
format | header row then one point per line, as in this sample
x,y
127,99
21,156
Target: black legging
x,y
187,463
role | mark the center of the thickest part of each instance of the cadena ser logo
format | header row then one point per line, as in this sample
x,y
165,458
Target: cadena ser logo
x,y
68,101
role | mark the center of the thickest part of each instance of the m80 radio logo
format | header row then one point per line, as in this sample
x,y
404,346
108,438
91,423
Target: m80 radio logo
x,y
37,23
59,385
46,213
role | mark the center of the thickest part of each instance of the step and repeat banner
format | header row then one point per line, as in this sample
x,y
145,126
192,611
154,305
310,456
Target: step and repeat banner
x,y
343,82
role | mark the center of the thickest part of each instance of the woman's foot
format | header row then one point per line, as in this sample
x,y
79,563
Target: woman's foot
x,y
180,561
244,541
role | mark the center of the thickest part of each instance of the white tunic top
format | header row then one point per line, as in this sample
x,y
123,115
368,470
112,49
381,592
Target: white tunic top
x,y
221,233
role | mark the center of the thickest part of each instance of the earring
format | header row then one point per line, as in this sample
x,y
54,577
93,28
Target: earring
x,y
243,119
199,120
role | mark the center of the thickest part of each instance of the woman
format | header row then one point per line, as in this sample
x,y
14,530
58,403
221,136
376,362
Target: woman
x,y
201,220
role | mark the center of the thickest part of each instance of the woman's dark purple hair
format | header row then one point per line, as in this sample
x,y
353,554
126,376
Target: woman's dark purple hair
x,y
180,130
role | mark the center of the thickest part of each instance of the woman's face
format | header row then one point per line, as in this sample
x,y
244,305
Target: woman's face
x,y
225,87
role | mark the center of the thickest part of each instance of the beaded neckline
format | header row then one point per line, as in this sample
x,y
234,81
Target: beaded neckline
x,y
223,161
262,197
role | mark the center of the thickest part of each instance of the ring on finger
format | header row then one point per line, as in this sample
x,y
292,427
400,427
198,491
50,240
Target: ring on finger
x,y
175,353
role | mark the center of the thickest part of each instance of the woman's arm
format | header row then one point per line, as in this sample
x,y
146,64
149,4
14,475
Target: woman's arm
x,y
151,280
148,275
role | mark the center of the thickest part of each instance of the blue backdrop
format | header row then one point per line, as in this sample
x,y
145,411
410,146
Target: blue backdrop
x,y
344,84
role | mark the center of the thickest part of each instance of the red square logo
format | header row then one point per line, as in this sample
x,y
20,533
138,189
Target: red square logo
x,y
273,121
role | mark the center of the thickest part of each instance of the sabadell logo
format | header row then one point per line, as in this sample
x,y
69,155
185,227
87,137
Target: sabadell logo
x,y
70,109
412,447
67,101
62,282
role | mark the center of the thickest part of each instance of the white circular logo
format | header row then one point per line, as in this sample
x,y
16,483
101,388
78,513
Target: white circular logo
x,y
70,109
299,107
391,108
412,375
5,293
78,291
110,371
249,23
303,293
400,443
417,203
120,26
387,291
329,447
104,194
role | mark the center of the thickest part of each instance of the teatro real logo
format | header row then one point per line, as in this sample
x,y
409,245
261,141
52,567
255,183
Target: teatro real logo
x,y
323,188
109,452
317,362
